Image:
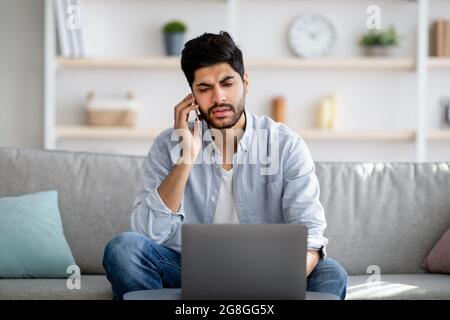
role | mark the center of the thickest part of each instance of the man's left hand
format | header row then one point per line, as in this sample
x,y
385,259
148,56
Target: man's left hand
x,y
312,259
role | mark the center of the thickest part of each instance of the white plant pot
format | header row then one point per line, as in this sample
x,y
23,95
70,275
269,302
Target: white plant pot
x,y
377,51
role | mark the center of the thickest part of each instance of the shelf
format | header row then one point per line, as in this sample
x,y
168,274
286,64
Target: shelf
x,y
136,63
358,135
439,135
435,63
356,63
85,132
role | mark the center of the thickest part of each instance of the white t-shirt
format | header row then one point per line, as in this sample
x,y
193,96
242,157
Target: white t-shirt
x,y
226,211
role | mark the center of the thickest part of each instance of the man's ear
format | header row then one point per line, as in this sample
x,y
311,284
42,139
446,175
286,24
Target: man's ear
x,y
245,81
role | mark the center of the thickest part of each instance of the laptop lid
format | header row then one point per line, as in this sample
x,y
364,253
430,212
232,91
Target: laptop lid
x,y
243,261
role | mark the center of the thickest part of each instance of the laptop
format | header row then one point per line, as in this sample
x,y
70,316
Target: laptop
x,y
243,262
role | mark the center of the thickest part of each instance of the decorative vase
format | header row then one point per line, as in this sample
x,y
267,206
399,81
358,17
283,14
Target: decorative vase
x,y
376,51
279,109
174,43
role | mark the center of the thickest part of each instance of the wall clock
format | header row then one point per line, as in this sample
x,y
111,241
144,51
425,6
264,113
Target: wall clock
x,y
312,36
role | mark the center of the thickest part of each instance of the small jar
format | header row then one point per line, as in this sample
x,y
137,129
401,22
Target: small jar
x,y
279,109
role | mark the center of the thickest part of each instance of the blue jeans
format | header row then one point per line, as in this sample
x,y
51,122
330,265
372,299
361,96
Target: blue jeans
x,y
134,262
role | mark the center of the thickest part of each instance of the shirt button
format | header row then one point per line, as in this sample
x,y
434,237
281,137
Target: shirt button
x,y
213,199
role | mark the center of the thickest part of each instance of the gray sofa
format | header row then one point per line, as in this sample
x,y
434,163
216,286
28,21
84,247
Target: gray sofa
x,y
382,217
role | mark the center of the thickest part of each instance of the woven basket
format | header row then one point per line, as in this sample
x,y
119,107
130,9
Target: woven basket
x,y
110,118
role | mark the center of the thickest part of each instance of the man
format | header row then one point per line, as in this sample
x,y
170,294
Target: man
x,y
218,171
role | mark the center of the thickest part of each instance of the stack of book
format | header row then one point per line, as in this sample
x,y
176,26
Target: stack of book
x,y
69,25
441,38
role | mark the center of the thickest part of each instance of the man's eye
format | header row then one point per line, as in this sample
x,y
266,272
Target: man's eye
x,y
229,84
203,89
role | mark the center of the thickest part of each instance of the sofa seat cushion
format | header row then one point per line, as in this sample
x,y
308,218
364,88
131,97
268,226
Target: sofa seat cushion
x,y
399,287
93,287
97,287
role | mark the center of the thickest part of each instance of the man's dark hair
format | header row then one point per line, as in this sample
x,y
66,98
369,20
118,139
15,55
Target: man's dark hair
x,y
210,49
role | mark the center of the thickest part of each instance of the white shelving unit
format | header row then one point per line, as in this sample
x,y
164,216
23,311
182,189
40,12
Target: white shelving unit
x,y
422,77
49,77
419,66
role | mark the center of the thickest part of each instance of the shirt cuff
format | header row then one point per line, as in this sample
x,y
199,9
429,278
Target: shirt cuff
x,y
158,206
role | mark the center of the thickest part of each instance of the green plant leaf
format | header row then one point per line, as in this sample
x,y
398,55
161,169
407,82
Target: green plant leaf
x,y
174,26
384,38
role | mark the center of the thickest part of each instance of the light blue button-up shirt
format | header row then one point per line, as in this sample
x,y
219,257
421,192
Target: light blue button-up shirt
x,y
273,182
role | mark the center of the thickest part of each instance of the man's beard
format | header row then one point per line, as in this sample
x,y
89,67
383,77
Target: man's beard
x,y
236,115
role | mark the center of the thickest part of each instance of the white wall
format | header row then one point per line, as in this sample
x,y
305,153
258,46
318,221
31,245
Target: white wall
x,y
21,73
370,100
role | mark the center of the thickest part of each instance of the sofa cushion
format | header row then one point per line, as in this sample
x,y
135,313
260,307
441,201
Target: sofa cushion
x,y
384,215
399,287
438,260
92,287
388,215
32,242
95,191
416,286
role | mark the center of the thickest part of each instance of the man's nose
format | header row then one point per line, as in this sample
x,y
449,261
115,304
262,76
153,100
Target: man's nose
x,y
219,96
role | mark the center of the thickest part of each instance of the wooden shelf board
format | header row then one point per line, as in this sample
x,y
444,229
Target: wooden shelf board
x,y
363,63
439,135
86,132
131,63
435,63
357,135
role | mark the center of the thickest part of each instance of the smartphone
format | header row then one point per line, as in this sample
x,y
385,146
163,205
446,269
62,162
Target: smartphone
x,y
199,115
197,112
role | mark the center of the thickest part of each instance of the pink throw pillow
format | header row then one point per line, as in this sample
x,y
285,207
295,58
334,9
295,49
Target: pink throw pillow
x,y
438,260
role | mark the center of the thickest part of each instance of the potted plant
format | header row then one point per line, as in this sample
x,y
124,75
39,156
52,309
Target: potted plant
x,y
379,42
174,31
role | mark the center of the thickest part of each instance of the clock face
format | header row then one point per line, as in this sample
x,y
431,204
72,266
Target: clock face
x,y
311,36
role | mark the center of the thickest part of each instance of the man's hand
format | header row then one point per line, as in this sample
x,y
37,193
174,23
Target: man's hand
x,y
312,259
191,143
172,188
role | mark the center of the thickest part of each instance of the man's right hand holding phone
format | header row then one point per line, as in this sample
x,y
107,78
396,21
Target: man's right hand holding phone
x,y
191,142
172,188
